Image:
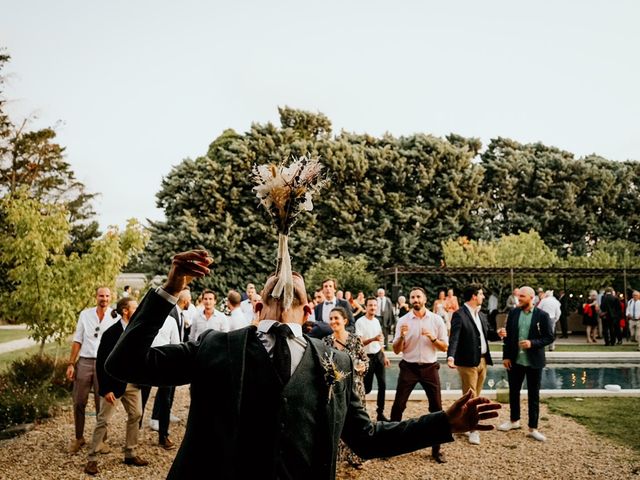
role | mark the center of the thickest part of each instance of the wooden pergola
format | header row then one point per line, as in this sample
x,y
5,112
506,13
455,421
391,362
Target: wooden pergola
x,y
565,273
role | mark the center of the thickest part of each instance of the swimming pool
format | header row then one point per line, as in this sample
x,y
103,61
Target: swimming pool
x,y
564,376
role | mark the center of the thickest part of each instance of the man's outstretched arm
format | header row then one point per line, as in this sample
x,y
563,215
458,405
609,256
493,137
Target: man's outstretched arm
x,y
133,360
386,439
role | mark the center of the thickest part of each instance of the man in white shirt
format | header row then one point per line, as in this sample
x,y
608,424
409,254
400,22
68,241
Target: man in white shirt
x,y
92,323
209,317
420,334
633,316
237,318
247,304
370,332
551,305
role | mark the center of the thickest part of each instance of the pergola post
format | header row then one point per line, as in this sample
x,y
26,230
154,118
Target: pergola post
x,y
513,287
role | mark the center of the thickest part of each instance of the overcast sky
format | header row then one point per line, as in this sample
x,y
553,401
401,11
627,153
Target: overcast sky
x,y
141,85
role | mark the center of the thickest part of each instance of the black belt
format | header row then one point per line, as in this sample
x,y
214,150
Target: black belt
x,y
419,364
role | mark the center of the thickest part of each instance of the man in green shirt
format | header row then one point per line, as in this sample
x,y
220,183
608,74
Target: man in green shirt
x,y
529,330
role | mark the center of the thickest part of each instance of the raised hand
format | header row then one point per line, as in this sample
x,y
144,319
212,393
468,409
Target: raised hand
x,y
185,267
466,413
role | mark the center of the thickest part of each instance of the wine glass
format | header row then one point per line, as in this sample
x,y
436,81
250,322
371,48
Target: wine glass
x,y
491,382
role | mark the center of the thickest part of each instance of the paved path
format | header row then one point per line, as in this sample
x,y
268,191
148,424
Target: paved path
x,y
17,345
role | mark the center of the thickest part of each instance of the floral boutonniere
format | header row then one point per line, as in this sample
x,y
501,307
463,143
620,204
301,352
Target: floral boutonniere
x,y
332,374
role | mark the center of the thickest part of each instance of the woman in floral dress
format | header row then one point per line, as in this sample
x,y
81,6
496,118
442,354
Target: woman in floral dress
x,y
351,344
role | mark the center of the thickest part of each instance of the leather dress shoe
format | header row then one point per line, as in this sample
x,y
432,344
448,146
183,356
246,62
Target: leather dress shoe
x,y
91,468
439,457
167,444
136,461
382,418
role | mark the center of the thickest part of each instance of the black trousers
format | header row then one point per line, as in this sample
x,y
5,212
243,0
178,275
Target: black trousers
x,y
161,407
376,368
516,375
410,375
612,331
564,324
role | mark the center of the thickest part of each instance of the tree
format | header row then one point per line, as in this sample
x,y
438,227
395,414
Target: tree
x,y
389,199
509,251
50,287
573,203
350,274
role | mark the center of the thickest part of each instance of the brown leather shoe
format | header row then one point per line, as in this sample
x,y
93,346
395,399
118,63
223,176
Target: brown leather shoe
x,y
136,461
167,444
91,468
76,445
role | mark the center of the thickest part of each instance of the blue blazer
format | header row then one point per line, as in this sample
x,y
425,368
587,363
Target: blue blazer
x,y
540,335
322,329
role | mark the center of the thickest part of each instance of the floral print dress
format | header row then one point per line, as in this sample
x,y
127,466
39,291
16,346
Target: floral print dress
x,y
354,348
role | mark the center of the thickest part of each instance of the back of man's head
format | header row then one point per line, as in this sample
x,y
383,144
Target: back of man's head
x,y
234,298
299,290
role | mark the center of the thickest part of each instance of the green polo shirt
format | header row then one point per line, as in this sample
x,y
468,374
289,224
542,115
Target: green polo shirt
x,y
524,325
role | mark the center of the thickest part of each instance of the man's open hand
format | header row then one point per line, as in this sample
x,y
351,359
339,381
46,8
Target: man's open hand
x,y
467,411
185,267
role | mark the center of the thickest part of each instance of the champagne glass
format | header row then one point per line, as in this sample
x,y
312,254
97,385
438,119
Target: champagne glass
x,y
491,382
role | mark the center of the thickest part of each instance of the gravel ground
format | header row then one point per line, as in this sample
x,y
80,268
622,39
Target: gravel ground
x,y
570,451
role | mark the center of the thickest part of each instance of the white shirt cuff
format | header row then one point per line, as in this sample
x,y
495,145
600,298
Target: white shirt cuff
x,y
166,295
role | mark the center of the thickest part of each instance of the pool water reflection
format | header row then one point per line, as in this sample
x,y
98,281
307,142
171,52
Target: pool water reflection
x,y
565,376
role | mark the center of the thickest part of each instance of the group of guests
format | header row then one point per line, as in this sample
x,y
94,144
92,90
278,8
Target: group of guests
x,y
362,328
606,315
97,332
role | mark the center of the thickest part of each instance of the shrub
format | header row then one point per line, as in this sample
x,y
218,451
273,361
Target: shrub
x,y
30,389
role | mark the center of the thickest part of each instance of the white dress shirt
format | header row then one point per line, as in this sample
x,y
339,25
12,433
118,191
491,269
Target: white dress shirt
x,y
89,330
417,347
168,333
247,309
218,322
327,306
369,328
551,305
297,344
633,309
238,320
476,319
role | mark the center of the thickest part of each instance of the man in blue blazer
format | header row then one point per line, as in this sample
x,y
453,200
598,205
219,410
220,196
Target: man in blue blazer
x,y
321,311
529,330
468,349
250,417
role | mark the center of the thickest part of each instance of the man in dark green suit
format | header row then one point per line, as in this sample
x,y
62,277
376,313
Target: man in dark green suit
x,y
268,402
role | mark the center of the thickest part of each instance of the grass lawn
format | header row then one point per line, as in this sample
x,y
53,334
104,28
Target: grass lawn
x,y
8,335
49,349
614,417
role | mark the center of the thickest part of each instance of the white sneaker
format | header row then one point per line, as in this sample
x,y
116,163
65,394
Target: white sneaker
x,y
506,426
536,435
474,438
174,419
154,424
